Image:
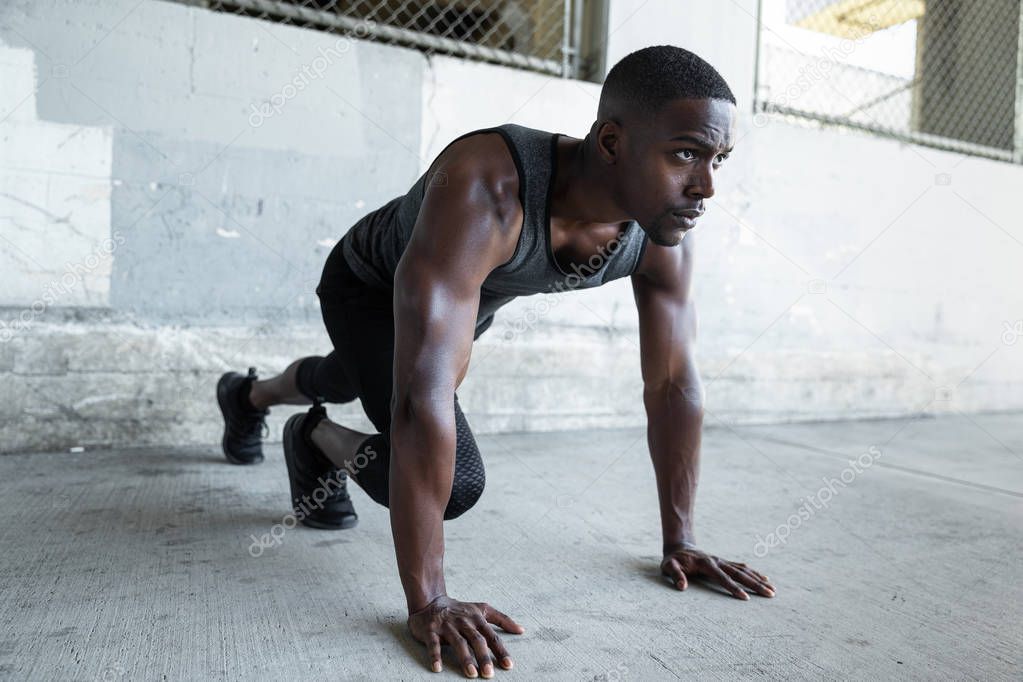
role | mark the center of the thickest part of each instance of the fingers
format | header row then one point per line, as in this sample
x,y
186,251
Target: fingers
x,y
723,572
433,651
465,626
673,569
461,647
759,575
502,620
756,574
479,646
729,584
745,577
762,578
496,645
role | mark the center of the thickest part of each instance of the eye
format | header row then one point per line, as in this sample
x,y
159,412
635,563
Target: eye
x,y
690,152
721,157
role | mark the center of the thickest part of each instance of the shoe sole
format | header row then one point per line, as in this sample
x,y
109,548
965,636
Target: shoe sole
x,y
222,402
291,435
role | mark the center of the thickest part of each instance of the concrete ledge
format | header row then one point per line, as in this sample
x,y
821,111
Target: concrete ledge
x,y
103,381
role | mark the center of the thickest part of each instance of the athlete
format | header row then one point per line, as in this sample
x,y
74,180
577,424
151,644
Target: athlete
x,y
503,212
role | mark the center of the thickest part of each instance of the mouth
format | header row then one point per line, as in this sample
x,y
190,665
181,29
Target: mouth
x,y
687,218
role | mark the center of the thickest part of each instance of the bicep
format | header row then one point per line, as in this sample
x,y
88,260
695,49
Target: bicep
x,y
452,249
667,314
433,328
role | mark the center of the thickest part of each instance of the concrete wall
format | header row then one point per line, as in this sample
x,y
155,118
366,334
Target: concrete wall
x,y
157,230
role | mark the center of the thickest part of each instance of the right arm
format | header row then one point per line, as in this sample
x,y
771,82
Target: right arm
x,y
457,241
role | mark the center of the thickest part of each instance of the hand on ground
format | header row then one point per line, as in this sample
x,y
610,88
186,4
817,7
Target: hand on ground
x,y
682,565
466,626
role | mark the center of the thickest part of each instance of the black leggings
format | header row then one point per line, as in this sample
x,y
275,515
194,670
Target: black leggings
x,y
360,322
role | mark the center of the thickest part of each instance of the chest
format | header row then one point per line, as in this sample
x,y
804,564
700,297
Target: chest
x,y
585,249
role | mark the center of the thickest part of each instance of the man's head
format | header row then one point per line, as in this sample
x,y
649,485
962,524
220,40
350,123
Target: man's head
x,y
664,123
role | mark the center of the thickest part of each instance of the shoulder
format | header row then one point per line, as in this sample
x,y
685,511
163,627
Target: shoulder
x,y
481,170
463,227
485,158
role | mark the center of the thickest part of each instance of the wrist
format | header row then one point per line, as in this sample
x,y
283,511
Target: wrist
x,y
670,547
419,602
677,530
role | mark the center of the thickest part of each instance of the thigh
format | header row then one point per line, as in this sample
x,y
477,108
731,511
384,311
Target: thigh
x,y
360,321
362,331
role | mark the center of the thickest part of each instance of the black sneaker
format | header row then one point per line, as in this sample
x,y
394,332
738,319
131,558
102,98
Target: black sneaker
x,y
319,490
244,426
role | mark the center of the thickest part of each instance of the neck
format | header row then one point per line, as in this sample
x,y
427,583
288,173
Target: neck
x,y
582,186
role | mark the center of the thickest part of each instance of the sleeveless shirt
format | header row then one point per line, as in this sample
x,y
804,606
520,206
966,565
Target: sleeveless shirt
x,y
374,245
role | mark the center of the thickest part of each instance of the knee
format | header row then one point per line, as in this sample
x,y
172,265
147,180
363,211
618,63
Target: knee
x,y
319,377
305,375
465,492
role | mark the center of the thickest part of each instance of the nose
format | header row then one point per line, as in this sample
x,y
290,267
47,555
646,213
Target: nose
x,y
700,183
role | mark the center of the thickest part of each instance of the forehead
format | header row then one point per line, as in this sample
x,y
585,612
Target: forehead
x,y
712,120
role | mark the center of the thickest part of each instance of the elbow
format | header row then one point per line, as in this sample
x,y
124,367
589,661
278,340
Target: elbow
x,y
684,398
413,403
421,422
414,411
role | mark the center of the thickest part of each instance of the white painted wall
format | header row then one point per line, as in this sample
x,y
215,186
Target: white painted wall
x,y
838,275
55,242
723,33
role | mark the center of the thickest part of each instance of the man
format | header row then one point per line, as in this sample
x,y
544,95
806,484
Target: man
x,y
504,212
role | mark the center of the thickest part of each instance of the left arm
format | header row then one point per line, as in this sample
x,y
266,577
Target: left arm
x,y
673,398
672,394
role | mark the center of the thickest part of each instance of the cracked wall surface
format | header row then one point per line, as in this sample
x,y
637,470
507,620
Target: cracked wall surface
x,y
224,208
54,197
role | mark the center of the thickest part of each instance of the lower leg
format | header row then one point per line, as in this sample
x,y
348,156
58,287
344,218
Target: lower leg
x,y
281,389
340,444
366,458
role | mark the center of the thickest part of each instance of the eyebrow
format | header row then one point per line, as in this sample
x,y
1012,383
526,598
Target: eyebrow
x,y
699,141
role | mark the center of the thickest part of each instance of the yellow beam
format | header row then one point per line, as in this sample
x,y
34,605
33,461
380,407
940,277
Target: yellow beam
x,y
856,18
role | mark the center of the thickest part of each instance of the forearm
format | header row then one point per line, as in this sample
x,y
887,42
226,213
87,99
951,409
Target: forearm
x,y
421,473
674,426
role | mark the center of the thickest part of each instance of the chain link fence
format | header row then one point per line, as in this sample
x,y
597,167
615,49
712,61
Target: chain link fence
x,y
943,73
538,35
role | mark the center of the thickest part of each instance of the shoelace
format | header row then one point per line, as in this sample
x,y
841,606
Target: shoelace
x,y
340,494
245,428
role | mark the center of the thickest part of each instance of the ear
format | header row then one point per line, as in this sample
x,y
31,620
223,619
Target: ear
x,y
608,137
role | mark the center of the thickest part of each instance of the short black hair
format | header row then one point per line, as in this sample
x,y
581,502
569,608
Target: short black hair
x,y
647,79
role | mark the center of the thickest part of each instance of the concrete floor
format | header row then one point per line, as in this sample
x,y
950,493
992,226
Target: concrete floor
x,y
135,564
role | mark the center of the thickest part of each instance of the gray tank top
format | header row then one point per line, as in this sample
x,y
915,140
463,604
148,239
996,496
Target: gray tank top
x,y
373,246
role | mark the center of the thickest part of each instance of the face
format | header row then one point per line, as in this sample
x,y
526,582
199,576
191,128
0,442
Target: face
x,y
667,165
